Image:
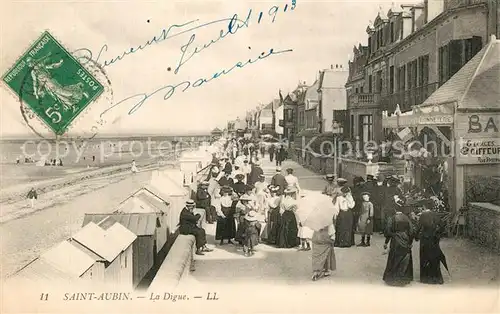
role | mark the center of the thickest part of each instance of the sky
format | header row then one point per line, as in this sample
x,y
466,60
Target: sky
x,y
319,33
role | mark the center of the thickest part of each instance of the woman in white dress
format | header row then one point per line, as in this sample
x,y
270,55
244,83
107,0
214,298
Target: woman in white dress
x,y
305,235
261,195
134,167
292,182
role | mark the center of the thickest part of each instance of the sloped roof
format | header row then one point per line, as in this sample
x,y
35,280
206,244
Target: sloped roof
x,y
154,202
97,240
68,259
273,104
135,205
475,85
484,89
333,78
40,271
139,224
122,235
312,92
164,185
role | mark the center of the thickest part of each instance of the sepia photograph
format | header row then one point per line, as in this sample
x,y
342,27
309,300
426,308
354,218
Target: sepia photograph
x,y
239,156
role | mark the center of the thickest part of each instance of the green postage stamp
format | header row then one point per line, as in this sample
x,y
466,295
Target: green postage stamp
x,y
52,83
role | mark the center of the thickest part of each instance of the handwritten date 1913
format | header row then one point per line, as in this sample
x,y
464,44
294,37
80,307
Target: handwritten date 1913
x,y
233,25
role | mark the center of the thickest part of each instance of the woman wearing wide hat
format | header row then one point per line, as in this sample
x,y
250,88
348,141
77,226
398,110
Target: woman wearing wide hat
x,y
344,231
288,229
274,216
226,225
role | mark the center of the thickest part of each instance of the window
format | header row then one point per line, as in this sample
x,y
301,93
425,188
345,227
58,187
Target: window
x,y
402,78
391,80
443,65
423,70
369,45
409,76
370,84
454,55
352,126
401,27
366,127
361,90
393,39
357,90
414,73
378,82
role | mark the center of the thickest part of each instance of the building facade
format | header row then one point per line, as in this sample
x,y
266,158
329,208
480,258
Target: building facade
x,y
291,113
332,95
311,110
411,51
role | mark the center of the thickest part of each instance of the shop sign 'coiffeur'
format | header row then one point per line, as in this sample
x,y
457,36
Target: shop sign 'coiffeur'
x,y
478,139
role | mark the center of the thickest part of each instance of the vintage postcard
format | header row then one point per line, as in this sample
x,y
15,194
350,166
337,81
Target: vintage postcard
x,y
242,156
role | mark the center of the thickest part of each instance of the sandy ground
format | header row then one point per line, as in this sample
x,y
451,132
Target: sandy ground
x,y
25,233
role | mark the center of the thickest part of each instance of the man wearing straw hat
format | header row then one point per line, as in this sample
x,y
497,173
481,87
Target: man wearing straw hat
x,y
331,186
188,225
203,200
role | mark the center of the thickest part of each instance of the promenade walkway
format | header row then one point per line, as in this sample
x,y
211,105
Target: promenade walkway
x,y
269,268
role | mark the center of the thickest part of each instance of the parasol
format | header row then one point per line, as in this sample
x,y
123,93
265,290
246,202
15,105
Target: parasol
x,y
316,210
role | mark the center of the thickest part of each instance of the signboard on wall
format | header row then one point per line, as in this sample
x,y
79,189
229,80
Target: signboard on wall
x,y
478,138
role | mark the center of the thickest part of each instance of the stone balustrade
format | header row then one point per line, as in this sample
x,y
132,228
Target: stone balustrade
x,y
176,266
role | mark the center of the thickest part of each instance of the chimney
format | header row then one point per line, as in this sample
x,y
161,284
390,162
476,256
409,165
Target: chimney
x,y
432,9
417,13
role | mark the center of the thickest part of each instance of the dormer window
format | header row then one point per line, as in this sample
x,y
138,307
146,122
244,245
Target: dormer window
x,y
393,39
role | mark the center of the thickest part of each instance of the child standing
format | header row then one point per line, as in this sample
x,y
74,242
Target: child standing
x,y
365,222
305,235
251,233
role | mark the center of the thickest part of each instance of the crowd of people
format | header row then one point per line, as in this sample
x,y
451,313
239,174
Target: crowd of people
x,y
248,210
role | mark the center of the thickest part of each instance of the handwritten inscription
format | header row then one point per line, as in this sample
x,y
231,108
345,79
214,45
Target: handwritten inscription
x,y
169,90
190,49
233,23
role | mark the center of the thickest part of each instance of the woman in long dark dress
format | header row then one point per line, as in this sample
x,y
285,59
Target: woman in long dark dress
x,y
226,225
431,256
274,217
344,233
288,229
400,233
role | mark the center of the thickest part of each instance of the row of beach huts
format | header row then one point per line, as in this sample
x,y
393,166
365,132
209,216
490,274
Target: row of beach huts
x,y
122,247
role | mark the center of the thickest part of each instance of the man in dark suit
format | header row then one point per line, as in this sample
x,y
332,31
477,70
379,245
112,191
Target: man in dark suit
x,y
279,181
280,155
227,167
255,173
188,225
226,180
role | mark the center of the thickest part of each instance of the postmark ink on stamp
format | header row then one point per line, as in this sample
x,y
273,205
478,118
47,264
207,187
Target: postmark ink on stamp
x,y
52,83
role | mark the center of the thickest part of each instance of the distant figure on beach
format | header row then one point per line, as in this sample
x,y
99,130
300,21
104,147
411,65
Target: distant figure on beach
x,y
93,158
134,167
32,196
17,160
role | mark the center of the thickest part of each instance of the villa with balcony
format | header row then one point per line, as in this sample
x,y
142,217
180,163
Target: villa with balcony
x,y
411,51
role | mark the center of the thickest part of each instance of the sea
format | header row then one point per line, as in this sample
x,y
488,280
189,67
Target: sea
x,y
25,160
